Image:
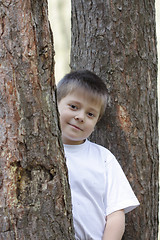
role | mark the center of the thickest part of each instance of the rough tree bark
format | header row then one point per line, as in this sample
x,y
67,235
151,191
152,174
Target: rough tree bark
x,y
116,39
34,190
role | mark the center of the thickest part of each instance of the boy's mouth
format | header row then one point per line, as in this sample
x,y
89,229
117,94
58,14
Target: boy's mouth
x,y
74,126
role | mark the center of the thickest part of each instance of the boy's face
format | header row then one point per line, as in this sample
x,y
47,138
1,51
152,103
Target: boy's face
x,y
79,113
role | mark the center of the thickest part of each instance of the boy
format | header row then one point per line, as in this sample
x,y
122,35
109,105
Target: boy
x,y
101,194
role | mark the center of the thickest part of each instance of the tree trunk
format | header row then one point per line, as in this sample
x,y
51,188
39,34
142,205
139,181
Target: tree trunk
x,y
116,40
34,190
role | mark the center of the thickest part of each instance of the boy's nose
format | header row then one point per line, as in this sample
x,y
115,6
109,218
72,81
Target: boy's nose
x,y
79,116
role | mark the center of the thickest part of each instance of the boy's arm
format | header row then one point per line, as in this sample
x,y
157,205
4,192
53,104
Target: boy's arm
x,y
115,226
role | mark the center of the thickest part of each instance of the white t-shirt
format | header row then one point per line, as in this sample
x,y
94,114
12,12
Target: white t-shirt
x,y
98,188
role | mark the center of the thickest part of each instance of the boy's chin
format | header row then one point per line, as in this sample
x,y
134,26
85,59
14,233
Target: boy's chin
x,y
73,142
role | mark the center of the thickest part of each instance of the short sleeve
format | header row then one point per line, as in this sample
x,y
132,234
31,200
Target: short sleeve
x,y
119,194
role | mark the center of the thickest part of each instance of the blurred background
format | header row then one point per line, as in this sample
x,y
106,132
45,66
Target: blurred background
x,y
60,19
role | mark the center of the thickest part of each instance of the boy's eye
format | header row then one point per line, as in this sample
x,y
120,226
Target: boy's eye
x,y
73,106
90,114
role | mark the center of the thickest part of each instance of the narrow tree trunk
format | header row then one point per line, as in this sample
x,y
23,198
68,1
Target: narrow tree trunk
x,y
116,40
34,190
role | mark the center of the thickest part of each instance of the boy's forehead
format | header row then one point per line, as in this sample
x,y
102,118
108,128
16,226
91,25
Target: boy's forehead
x,y
86,95
82,92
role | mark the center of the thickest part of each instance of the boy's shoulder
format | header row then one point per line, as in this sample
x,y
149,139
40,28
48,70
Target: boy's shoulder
x,y
101,150
98,147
